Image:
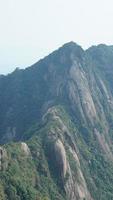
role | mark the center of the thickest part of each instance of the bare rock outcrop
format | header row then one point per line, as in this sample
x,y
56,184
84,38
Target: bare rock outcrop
x,y
76,189
60,156
81,88
25,148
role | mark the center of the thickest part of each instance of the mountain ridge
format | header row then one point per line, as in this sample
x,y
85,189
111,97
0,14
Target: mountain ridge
x,y
57,119
68,44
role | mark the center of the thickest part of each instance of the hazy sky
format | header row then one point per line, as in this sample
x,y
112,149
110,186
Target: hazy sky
x,y
31,29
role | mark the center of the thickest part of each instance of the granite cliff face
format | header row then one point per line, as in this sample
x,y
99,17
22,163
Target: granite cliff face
x,y
56,127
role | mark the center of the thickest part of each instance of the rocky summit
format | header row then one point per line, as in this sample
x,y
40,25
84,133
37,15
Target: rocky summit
x,y
56,127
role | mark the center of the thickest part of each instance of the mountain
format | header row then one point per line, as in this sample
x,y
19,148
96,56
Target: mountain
x,y
56,127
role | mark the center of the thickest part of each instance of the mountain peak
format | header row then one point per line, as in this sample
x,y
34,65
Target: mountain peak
x,y
71,45
69,49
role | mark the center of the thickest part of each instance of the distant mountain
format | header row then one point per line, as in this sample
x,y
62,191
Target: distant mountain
x,y
56,127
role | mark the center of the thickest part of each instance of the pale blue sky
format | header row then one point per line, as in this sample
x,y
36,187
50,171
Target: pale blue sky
x,y
31,29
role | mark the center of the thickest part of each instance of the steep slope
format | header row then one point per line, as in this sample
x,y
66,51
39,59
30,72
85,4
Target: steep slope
x,y
32,91
68,76
57,162
51,157
62,108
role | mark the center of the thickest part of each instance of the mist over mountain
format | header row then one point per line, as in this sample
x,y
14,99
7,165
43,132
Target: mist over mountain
x,y
56,127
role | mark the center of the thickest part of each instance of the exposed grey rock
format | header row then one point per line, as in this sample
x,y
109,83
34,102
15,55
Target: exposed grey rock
x,y
60,155
76,189
79,77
